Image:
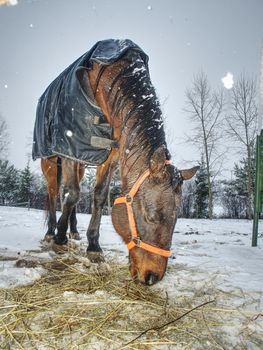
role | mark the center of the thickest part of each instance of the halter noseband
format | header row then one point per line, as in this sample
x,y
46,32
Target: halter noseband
x,y
135,239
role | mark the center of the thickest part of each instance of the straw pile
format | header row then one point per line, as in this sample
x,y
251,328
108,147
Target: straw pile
x,y
80,305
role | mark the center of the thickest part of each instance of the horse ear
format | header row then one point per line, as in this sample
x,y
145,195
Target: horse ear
x,y
157,161
187,174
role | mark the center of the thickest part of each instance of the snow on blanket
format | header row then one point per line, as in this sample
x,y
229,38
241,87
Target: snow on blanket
x,y
210,255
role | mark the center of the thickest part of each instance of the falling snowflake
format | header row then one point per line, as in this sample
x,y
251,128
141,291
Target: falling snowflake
x,y
8,2
31,25
149,8
5,86
69,133
228,80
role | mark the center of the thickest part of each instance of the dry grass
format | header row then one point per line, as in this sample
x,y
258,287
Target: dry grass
x,y
79,305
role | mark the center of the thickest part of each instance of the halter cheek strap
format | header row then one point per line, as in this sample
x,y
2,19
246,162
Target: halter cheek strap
x,y
135,239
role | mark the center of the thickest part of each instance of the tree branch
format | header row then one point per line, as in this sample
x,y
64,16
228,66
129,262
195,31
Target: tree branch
x,y
168,323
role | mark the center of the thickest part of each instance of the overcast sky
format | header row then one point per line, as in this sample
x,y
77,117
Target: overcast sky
x,y
39,38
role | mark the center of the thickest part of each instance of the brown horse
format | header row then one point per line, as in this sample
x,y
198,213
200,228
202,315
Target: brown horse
x,y
145,217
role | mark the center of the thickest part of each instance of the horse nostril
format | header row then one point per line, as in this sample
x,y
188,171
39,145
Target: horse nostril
x,y
151,278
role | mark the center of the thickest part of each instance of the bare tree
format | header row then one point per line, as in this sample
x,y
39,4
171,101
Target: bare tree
x,y
4,139
242,126
205,106
187,204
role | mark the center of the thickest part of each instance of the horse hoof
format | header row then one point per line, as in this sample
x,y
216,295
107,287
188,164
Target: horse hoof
x,y
48,238
60,241
74,235
95,257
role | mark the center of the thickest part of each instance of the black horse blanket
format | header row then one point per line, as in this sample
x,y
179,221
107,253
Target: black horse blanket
x,y
67,113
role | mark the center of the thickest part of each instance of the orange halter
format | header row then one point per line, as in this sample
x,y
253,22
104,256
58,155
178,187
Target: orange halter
x,y
135,239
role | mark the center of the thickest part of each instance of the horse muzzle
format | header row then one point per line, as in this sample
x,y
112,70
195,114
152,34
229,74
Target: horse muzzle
x,y
146,268
148,278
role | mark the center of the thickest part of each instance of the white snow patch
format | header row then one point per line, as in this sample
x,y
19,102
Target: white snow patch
x,y
141,69
147,96
12,276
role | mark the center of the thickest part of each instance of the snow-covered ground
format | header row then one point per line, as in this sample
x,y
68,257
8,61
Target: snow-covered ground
x,y
217,246
213,258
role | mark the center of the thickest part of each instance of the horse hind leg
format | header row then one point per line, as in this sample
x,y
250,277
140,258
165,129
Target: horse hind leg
x,y
72,190
52,171
74,234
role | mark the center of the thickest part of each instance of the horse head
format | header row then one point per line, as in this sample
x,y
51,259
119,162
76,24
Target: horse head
x,y
146,223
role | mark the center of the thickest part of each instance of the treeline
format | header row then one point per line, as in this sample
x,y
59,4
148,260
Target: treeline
x,y
21,187
231,197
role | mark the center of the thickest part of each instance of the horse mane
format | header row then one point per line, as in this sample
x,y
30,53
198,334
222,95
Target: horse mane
x,y
136,90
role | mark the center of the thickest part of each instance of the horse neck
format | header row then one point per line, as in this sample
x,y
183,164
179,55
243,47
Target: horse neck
x,y
134,152
135,146
134,159
142,134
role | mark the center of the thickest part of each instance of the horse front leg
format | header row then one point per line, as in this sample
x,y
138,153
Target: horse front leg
x,y
103,179
72,190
